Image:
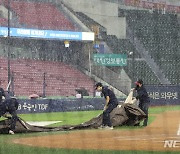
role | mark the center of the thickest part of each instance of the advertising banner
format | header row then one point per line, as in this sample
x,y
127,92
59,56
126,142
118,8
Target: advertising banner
x,y
160,95
47,34
60,105
110,59
164,94
33,106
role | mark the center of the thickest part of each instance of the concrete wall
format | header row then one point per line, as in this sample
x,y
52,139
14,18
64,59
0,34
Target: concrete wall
x,y
104,13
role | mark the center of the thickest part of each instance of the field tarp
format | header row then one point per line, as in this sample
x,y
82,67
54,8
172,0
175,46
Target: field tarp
x,y
125,114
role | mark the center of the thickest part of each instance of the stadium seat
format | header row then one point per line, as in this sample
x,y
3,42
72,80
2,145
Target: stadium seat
x,y
40,15
159,35
62,80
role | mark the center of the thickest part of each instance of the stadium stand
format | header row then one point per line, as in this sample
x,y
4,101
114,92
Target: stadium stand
x,y
123,46
40,15
60,79
159,35
98,29
146,26
136,67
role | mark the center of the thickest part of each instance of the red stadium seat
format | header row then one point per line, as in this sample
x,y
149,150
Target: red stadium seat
x,y
61,79
41,15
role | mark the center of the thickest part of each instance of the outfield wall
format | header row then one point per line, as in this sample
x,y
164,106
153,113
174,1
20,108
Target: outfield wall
x,y
160,95
60,105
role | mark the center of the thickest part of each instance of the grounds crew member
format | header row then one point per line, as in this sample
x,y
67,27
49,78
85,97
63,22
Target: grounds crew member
x,y
2,94
10,105
143,98
111,103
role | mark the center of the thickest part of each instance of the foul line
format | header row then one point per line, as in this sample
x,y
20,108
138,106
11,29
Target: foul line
x,y
178,132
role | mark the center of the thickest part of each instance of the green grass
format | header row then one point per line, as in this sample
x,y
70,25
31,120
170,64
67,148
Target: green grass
x,y
78,117
65,117
7,147
160,109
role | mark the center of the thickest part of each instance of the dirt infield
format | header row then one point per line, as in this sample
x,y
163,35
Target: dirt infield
x,y
162,135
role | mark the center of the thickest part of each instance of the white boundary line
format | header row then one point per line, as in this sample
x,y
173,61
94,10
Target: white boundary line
x,y
147,137
178,132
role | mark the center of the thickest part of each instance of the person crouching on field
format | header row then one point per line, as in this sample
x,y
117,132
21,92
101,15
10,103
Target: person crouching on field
x,y
10,105
110,104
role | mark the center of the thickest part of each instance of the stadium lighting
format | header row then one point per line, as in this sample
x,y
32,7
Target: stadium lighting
x,y
66,44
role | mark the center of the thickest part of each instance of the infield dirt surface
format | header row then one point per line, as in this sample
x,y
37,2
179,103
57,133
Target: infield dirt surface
x,y
166,127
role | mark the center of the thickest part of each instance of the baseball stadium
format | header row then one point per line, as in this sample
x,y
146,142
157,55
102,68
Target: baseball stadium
x,y
89,76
